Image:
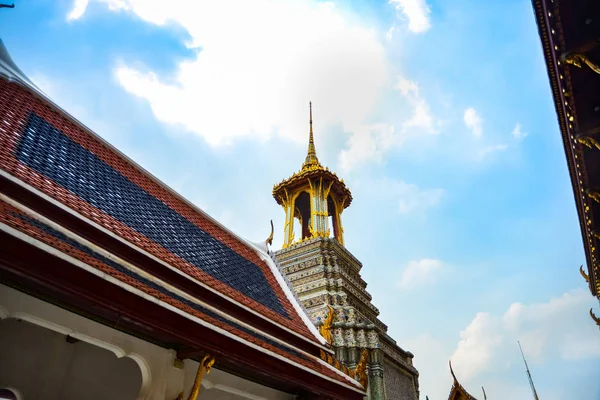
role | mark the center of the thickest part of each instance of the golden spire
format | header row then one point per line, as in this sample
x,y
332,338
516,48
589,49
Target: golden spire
x,y
311,157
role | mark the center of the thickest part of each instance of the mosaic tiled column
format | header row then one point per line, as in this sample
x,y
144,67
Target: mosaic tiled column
x,y
376,384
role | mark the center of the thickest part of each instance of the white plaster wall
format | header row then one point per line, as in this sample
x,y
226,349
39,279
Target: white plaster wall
x,y
36,359
41,364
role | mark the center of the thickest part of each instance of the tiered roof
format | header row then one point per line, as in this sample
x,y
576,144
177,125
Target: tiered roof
x,y
67,195
458,392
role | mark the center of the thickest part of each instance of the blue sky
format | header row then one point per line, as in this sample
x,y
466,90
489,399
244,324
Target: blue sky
x,y
437,114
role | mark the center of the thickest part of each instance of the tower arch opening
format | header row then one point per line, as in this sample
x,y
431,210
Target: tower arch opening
x,y
334,219
302,215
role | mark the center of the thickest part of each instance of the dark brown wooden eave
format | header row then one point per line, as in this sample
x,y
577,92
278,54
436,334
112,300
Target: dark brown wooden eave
x,y
556,45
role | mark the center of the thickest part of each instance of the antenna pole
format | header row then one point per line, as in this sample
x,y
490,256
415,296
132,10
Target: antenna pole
x,y
535,396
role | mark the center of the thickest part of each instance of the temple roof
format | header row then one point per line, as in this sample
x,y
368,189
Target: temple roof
x,y
224,281
569,32
458,392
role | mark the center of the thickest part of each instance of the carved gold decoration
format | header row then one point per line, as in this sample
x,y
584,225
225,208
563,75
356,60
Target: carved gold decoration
x,y
337,364
325,329
204,367
319,183
593,195
361,369
596,319
585,276
588,142
323,355
578,60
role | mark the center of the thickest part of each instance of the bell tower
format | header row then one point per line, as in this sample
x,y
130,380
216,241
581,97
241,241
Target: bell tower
x,y
326,278
314,197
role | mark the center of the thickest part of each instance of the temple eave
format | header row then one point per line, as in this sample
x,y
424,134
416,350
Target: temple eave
x,y
299,179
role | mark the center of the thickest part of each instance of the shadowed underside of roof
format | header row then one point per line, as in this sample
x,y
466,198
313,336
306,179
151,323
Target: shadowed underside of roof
x,y
69,244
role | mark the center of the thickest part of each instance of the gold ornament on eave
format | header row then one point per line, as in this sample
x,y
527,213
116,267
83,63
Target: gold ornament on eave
x,y
325,329
578,60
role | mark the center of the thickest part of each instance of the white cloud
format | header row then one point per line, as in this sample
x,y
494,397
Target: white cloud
x,y
517,133
248,81
79,7
407,87
558,328
371,142
411,198
553,334
418,273
483,153
416,11
367,143
473,121
390,33
476,348
421,114
431,360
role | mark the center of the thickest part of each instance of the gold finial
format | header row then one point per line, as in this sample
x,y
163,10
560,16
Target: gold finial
x,y
269,240
585,276
311,157
452,371
596,319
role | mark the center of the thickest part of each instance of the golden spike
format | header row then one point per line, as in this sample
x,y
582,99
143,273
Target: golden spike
x,y
325,329
596,319
588,142
585,276
311,157
269,240
205,366
578,60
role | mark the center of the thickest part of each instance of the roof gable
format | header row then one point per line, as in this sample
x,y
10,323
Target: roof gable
x,y
458,392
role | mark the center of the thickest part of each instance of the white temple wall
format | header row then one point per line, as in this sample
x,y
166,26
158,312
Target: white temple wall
x,y
101,363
